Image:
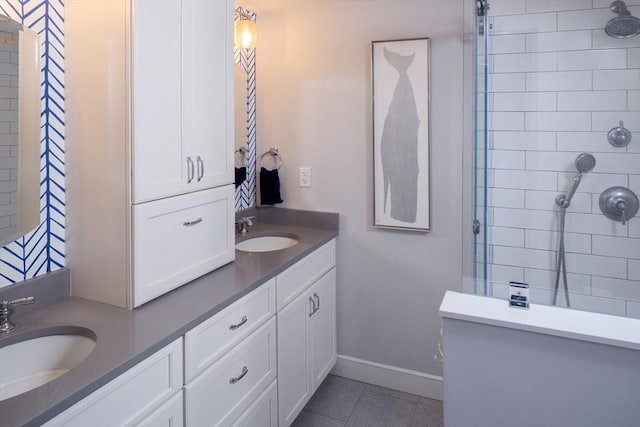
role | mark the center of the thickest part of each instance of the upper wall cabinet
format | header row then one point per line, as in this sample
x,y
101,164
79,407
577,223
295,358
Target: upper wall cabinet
x,y
182,82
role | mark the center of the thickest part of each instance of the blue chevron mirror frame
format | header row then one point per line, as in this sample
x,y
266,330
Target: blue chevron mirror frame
x,y
43,249
245,154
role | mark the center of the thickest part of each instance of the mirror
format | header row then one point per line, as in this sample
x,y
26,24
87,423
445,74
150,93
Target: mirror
x,y
19,130
245,120
240,132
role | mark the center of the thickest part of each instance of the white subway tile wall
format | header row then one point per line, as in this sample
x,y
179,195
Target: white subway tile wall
x,y
557,85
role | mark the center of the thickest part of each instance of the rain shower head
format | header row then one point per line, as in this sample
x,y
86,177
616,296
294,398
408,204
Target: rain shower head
x,y
585,162
624,25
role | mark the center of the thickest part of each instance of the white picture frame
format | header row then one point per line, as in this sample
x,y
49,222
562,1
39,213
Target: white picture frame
x,y
400,112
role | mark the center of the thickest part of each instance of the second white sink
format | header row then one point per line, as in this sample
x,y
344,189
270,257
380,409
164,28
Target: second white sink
x,y
267,243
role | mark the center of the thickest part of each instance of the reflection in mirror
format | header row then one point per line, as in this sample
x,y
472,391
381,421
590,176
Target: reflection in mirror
x,y
245,118
19,130
240,102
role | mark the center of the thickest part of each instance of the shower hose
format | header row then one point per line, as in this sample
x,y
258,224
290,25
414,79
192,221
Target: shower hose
x,y
561,263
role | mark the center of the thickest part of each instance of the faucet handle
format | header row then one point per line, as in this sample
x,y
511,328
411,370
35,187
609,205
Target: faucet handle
x,y
21,301
6,308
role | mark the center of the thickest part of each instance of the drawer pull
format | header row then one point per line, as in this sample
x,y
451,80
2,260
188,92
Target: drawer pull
x,y
190,223
237,325
244,372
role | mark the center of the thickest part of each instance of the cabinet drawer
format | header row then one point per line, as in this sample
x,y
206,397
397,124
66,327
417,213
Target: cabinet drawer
x,y
263,412
211,339
178,239
295,279
132,396
225,390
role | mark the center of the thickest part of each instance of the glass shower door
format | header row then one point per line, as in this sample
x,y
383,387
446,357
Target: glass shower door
x,y
480,152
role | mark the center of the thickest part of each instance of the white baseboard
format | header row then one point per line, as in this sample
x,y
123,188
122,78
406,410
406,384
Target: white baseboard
x,y
389,376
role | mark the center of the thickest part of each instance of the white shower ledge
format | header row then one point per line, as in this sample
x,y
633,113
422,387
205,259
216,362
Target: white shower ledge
x,y
580,325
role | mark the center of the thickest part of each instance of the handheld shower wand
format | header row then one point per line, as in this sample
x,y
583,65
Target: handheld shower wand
x,y
585,162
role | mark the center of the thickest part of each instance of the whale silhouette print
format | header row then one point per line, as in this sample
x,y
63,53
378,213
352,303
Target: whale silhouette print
x,y
399,144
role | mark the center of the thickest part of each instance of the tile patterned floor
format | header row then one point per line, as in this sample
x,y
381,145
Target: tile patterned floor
x,y
343,402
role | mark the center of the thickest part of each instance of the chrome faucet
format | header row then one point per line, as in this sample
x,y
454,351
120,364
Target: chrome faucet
x,y
243,224
6,309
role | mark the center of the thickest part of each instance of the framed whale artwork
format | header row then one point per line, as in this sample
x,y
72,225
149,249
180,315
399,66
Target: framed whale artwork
x,y
400,103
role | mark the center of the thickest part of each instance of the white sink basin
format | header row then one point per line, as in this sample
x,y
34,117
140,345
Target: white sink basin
x,y
31,363
267,243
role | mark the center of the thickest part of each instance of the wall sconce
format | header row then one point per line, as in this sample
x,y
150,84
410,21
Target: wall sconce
x,y
246,32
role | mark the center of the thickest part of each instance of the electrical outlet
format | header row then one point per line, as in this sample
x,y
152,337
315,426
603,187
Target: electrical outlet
x,y
305,177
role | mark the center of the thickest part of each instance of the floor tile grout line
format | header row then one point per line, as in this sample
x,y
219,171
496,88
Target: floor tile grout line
x,y
356,405
413,416
323,415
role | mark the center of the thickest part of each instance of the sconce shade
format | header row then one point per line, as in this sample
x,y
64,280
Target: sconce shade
x,y
246,33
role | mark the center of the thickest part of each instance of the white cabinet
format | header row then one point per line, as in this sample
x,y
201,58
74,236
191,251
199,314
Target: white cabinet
x,y
181,238
263,412
147,394
322,328
219,395
306,333
230,364
211,339
149,131
181,88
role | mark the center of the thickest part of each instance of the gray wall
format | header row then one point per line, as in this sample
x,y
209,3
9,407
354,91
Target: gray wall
x,y
314,103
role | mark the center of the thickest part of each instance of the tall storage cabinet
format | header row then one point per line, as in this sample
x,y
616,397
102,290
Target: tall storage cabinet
x,y
150,145
180,91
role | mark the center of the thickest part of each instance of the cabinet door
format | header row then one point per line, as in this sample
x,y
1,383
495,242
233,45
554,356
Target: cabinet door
x,y
159,165
322,328
207,90
294,381
132,396
168,415
263,412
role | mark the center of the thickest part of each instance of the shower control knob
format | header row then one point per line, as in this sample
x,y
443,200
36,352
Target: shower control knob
x,y
619,136
619,204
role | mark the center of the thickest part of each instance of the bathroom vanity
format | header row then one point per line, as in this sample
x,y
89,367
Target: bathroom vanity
x,y
223,348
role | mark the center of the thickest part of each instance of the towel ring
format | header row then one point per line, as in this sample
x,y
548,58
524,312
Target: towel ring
x,y
241,153
274,153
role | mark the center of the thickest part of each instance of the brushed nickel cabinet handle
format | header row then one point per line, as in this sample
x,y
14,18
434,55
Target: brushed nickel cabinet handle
x,y
190,223
200,163
317,298
190,171
233,327
244,372
313,307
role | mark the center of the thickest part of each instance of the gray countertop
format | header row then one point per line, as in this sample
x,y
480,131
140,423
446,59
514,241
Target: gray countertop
x,y
126,337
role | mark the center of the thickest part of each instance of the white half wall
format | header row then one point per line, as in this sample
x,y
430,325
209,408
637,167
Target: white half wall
x,y
314,103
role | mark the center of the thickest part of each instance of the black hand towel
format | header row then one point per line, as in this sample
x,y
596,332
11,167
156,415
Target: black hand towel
x,y
269,187
241,175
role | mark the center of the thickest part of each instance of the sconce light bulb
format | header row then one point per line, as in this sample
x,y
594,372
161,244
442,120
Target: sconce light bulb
x,y
246,33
